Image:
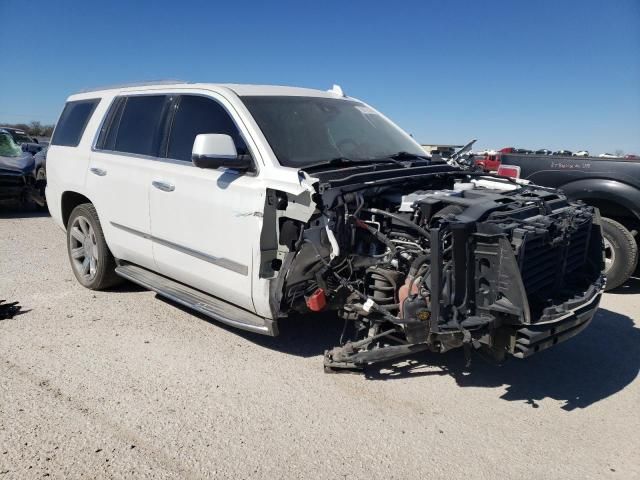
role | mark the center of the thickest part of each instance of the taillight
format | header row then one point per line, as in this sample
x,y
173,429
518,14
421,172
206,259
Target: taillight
x,y
512,171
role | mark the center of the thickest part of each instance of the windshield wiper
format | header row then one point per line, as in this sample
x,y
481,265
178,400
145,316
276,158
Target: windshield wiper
x,y
408,156
400,158
344,161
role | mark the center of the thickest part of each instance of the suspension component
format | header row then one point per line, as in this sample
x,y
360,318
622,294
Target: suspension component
x,y
382,286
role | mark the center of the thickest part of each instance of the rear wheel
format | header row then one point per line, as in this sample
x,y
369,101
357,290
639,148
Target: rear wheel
x,y
621,253
91,261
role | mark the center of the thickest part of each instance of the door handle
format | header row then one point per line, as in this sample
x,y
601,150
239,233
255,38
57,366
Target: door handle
x,y
164,186
98,171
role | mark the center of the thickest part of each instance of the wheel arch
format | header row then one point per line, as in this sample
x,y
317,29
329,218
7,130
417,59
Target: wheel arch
x,y
69,201
616,200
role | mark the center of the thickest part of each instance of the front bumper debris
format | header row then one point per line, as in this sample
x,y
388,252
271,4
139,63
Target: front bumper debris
x,y
533,338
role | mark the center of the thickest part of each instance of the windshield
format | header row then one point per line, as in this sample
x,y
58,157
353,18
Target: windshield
x,y
22,138
8,148
307,130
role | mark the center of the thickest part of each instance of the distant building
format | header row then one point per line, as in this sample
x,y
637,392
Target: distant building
x,y
444,151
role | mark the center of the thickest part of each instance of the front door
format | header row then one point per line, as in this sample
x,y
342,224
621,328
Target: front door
x,y
204,222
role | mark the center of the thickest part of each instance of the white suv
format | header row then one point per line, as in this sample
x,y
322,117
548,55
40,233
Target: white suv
x,y
248,203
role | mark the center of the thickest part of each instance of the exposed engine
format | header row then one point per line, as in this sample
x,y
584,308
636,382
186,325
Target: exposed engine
x,y
472,261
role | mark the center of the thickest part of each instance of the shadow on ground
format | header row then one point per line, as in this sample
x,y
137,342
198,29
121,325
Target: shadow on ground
x,y
14,209
594,365
631,286
302,336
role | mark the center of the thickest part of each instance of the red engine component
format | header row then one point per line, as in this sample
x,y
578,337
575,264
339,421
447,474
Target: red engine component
x,y
316,301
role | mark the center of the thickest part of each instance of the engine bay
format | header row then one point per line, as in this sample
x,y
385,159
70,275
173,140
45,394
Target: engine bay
x,y
452,260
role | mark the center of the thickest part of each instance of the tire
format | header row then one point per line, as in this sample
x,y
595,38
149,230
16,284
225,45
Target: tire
x,y
41,174
90,258
41,182
621,251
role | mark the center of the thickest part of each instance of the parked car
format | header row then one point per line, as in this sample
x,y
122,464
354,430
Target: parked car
x,y
40,174
543,151
251,203
20,137
581,153
608,155
611,184
564,153
16,169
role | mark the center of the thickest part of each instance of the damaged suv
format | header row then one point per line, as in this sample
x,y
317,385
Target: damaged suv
x,y
250,203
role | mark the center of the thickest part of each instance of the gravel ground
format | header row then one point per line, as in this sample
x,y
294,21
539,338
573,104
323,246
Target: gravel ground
x,y
123,384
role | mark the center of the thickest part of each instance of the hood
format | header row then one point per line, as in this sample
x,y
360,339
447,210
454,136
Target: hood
x,y
21,165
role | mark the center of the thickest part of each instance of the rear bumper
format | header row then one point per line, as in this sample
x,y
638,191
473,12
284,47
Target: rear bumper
x,y
533,338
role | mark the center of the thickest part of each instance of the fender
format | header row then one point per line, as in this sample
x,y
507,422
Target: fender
x,y
610,190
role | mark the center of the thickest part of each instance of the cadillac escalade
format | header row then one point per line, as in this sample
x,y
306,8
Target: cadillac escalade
x,y
251,203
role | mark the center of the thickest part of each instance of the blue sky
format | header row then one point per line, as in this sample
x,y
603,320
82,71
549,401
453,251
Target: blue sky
x,y
533,74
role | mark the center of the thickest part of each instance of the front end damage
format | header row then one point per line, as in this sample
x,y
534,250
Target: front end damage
x,y
434,258
17,179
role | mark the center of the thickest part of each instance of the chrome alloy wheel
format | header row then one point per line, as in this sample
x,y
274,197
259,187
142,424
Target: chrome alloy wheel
x,y
609,255
83,248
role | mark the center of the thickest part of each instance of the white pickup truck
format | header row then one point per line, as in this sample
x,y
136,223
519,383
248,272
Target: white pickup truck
x,y
249,203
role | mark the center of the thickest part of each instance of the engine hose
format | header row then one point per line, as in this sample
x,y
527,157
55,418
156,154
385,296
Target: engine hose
x,y
343,281
399,219
419,260
422,274
379,235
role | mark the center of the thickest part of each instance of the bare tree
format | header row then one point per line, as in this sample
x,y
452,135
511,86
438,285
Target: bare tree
x,y
35,128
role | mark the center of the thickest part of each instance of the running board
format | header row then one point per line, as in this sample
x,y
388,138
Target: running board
x,y
195,299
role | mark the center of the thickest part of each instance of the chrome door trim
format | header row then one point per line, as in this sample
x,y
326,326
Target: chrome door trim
x,y
219,261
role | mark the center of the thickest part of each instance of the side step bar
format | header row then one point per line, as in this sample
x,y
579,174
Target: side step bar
x,y
195,299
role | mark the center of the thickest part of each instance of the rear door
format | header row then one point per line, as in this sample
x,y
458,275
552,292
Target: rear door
x,y
204,222
120,173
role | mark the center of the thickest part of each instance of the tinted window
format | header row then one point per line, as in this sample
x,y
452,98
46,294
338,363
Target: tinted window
x,y
196,115
109,130
72,122
138,130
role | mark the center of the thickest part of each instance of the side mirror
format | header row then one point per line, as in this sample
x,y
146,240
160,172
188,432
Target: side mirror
x,y
215,150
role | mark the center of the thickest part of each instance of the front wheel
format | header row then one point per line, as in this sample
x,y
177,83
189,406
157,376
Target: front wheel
x,y
621,253
41,183
91,261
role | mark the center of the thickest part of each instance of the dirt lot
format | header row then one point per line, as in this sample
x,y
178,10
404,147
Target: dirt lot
x,y
122,384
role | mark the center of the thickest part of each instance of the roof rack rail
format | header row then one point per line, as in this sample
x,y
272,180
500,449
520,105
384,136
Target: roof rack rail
x,y
132,84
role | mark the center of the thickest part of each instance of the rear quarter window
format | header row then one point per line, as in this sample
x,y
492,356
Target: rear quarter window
x,y
73,121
